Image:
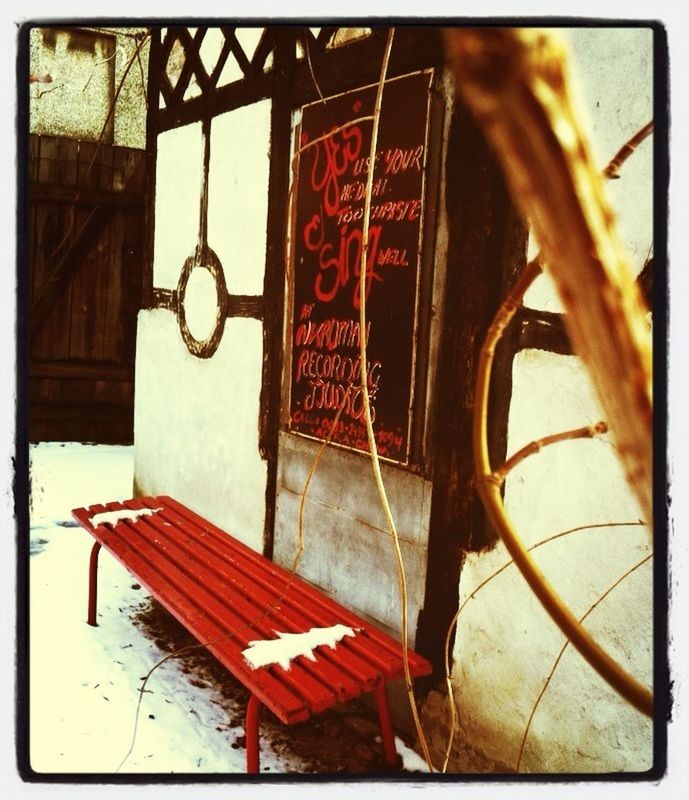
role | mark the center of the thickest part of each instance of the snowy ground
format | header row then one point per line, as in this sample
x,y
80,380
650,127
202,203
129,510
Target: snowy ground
x,y
84,681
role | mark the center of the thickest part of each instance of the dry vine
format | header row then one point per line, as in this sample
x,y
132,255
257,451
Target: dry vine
x,y
591,608
454,722
516,84
375,461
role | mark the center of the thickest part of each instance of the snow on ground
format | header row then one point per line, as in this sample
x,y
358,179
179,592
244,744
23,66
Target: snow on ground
x,y
411,760
84,681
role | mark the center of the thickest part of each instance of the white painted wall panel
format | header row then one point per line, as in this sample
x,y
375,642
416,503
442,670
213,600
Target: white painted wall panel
x,y
196,423
197,420
238,195
178,198
507,644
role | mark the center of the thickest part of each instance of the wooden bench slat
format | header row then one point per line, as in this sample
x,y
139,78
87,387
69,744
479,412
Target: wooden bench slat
x,y
310,677
230,585
358,658
285,704
279,575
243,629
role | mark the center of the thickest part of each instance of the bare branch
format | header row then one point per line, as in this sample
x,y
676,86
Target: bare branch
x,y
587,432
516,82
612,171
564,647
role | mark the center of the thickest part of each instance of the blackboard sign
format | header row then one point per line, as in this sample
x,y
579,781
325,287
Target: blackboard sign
x,y
332,171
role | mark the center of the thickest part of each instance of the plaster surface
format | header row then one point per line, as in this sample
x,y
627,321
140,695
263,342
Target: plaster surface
x,y
196,423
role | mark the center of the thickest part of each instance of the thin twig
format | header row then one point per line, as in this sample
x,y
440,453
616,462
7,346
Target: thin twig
x,y
323,137
116,32
587,432
313,76
52,89
612,171
143,78
472,595
98,64
564,647
312,472
373,450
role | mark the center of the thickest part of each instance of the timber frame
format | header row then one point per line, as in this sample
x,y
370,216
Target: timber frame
x,y
485,238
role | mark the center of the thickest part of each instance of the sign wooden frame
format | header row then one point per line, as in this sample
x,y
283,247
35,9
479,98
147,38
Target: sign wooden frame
x,y
331,161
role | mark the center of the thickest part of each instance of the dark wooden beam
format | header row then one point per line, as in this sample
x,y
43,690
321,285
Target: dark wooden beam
x,y
81,411
234,95
245,305
542,330
485,247
152,94
163,298
274,280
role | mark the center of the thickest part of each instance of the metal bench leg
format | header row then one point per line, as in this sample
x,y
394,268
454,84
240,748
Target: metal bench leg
x,y
386,731
251,731
93,584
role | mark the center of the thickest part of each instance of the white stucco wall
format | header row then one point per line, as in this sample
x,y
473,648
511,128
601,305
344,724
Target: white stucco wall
x,y
196,422
506,644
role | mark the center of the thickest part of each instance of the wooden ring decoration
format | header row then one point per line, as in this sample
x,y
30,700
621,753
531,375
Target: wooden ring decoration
x,y
204,258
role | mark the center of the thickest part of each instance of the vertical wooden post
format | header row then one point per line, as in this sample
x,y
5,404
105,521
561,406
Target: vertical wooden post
x,y
153,93
486,245
274,280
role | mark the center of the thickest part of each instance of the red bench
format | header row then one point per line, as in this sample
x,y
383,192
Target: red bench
x,y
228,595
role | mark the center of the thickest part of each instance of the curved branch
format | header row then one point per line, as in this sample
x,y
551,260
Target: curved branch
x,y
612,171
472,596
587,432
564,647
637,694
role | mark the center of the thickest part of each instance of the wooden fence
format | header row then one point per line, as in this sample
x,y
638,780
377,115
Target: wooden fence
x,y
86,236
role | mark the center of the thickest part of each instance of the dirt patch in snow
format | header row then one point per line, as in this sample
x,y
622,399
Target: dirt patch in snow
x,y
345,739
